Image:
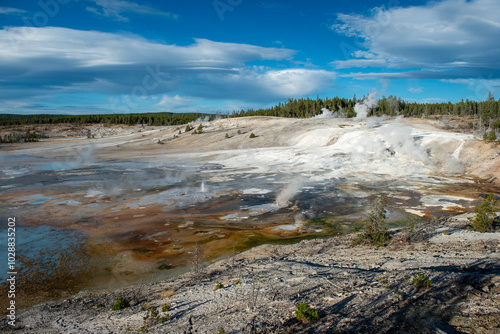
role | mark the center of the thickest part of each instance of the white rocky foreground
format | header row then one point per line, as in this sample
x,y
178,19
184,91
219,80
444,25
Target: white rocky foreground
x,y
354,289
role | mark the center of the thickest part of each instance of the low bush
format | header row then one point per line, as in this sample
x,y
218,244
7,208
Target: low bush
x,y
120,304
221,331
153,318
306,314
421,281
165,308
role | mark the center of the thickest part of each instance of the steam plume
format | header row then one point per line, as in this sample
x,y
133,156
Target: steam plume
x,y
325,113
362,108
288,193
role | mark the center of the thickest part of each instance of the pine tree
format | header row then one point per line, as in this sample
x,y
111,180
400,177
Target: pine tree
x,y
485,213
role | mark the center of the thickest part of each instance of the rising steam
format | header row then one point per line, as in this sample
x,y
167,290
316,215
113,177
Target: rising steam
x,y
288,193
363,108
325,113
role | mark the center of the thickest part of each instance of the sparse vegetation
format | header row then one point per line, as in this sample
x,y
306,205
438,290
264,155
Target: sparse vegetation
x,y
384,281
219,286
375,233
221,331
413,232
306,314
485,213
165,308
153,318
120,304
491,136
188,128
160,142
227,135
252,135
26,137
421,281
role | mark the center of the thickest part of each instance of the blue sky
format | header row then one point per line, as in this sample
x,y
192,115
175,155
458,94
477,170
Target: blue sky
x,y
114,56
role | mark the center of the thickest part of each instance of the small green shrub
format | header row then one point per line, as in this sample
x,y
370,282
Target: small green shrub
x,y
306,314
219,286
239,132
227,135
153,318
238,282
165,308
120,304
188,128
252,135
421,281
221,331
384,281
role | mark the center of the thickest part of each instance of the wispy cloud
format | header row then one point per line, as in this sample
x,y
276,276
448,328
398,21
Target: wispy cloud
x,y
443,39
175,101
116,9
55,61
9,11
415,89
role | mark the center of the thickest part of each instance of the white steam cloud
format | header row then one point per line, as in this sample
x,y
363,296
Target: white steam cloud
x,y
402,141
325,113
288,192
363,108
201,120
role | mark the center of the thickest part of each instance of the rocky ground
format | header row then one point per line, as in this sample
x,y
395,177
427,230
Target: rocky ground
x,y
359,289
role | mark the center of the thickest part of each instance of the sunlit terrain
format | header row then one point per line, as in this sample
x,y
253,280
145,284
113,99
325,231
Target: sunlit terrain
x,y
109,212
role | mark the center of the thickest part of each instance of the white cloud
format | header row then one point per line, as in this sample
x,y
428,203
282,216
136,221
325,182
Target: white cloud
x,y
457,37
93,49
175,101
43,62
415,89
250,85
9,10
116,8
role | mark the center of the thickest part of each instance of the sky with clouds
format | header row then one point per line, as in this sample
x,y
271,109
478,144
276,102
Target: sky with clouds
x,y
114,56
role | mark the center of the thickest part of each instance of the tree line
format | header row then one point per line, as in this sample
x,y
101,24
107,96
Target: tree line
x,y
162,118
487,113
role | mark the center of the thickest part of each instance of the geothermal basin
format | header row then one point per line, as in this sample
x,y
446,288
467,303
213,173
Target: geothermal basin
x,y
144,204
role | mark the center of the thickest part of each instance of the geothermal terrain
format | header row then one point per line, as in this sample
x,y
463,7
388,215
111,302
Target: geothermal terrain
x,y
160,215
